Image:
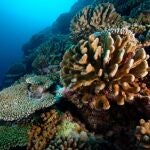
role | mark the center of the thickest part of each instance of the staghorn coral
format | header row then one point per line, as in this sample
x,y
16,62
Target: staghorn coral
x,y
106,67
91,19
20,100
143,133
13,136
39,136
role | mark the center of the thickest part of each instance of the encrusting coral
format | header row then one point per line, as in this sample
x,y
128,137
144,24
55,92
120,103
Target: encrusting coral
x,y
22,99
12,136
143,133
92,19
105,67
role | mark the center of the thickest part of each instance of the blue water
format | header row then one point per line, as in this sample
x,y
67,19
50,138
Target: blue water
x,y
20,19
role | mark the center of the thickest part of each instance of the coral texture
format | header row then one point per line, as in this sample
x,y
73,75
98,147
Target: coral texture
x,y
143,133
106,66
13,136
92,19
73,141
130,8
40,136
20,100
47,56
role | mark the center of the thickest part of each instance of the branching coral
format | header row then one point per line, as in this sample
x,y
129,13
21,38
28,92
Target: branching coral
x,y
20,100
74,141
130,8
91,19
40,136
106,67
13,136
70,134
143,133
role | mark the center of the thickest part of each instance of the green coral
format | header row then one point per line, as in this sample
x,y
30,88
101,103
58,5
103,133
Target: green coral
x,y
66,128
13,136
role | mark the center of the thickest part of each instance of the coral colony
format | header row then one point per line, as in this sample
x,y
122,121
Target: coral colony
x,y
88,89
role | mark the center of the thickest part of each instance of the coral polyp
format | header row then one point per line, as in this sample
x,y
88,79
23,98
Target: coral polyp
x,y
107,66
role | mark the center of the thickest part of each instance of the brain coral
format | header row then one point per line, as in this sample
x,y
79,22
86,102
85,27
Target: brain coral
x,y
105,67
20,100
91,19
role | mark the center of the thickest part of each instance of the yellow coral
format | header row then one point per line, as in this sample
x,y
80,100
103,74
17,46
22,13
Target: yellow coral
x,y
107,66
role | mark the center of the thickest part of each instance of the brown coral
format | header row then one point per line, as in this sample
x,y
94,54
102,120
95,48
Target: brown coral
x,y
39,136
106,67
91,19
143,133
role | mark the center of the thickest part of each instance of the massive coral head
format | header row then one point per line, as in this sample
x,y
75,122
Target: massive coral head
x,y
105,67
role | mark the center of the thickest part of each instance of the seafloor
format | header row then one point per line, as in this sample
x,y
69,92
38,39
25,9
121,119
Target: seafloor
x,y
83,83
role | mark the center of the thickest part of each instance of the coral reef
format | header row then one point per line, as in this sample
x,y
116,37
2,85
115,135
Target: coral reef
x,y
92,19
39,136
130,8
20,100
105,78
12,136
143,133
73,141
105,67
46,58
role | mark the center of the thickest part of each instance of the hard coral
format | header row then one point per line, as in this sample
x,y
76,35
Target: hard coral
x,y
40,136
13,136
106,66
91,19
143,133
74,141
16,101
48,55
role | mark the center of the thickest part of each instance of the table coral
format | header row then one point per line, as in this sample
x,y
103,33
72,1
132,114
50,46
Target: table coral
x,y
143,133
106,66
91,19
16,101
